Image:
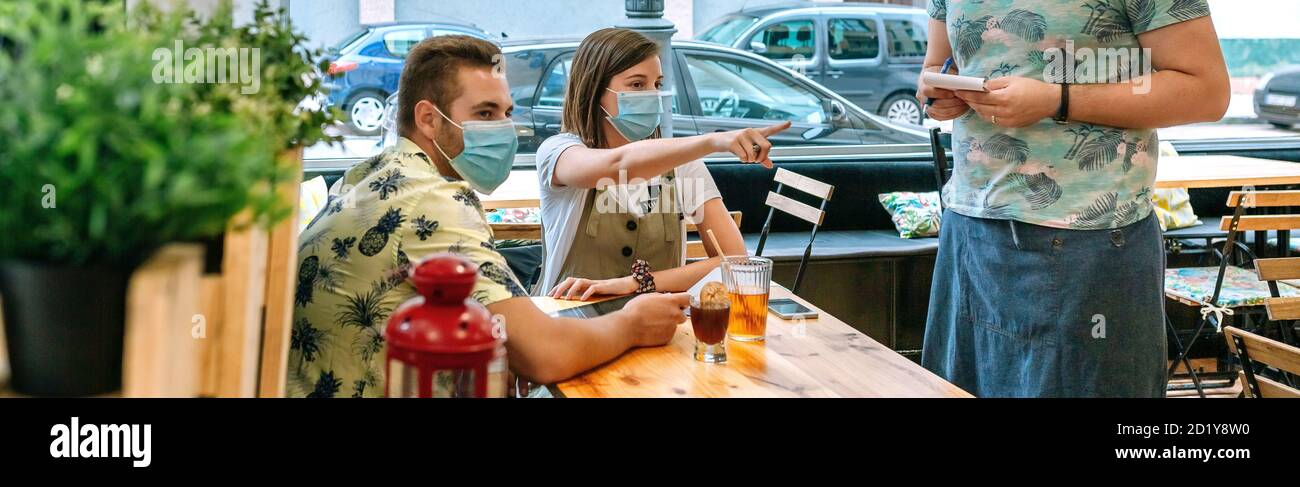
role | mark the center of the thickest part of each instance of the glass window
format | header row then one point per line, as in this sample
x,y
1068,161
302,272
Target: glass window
x,y
728,30
349,41
787,40
731,88
400,42
905,38
552,93
523,70
853,39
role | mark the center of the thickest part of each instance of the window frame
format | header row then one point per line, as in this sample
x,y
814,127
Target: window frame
x,y
875,19
424,32
688,80
915,21
762,27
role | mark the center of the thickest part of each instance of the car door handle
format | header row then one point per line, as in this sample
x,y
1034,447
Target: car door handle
x,y
835,73
552,126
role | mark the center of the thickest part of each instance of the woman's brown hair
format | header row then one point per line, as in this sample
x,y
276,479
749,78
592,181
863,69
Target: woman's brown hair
x,y
601,55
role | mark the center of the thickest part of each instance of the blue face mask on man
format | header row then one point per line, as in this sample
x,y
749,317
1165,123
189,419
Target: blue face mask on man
x,y
639,113
489,152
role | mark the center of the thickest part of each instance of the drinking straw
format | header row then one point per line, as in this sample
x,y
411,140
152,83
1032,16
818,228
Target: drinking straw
x,y
716,246
723,263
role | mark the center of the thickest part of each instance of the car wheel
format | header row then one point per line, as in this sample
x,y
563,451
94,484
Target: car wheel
x,y
366,114
1283,126
902,108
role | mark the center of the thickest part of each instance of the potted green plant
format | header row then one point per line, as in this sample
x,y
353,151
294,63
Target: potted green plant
x,y
289,73
104,163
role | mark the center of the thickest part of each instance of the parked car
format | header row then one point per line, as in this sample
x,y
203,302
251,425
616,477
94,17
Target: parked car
x,y
870,54
1277,97
365,67
716,88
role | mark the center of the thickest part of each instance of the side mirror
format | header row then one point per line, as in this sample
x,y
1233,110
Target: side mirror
x,y
758,47
838,112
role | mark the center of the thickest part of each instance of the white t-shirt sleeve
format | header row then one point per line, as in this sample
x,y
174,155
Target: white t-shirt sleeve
x,y
561,206
696,186
548,154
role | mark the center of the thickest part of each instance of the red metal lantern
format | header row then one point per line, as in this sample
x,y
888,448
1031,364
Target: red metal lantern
x,y
442,343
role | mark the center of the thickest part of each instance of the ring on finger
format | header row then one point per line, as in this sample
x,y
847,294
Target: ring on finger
x,y
994,119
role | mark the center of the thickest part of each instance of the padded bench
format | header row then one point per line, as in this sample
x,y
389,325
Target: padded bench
x,y
842,244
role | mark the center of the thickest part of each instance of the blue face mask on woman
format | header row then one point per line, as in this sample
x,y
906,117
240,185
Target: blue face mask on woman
x,y
639,113
489,152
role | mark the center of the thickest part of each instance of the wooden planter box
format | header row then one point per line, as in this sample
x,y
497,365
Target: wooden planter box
x,y
190,334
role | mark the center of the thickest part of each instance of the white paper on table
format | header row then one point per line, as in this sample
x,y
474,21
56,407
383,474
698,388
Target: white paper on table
x,y
714,275
953,82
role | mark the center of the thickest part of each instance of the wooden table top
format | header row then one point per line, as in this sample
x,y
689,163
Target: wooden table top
x,y
1215,171
823,357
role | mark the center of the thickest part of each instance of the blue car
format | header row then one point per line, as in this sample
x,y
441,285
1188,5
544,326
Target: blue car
x,y
365,67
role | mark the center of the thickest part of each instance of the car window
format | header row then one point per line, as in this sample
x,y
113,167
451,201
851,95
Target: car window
x,y
400,42
905,38
786,40
854,39
348,41
733,88
552,93
523,70
728,29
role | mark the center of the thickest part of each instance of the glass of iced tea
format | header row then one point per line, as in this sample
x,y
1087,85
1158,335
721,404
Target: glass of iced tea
x,y
748,281
709,319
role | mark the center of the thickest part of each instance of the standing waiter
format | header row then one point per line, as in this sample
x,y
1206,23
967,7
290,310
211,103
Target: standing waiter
x,y
1049,276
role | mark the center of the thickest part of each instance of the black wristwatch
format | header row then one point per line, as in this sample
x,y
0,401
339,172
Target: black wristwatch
x,y
1063,111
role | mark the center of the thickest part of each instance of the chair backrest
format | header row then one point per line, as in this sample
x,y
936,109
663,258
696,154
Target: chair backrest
x,y
1241,222
695,249
940,162
815,216
1251,348
1270,269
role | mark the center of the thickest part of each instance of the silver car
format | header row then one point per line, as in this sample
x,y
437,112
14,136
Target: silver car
x,y
716,88
869,54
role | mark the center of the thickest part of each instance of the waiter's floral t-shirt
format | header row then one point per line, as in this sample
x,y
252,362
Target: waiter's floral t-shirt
x,y
1076,175
395,209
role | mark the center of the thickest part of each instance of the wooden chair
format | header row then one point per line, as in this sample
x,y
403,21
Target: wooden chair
x,y
695,249
1236,291
1270,354
815,216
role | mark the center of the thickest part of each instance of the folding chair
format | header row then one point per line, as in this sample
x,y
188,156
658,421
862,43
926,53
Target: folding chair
x,y
941,170
1272,356
815,216
1236,291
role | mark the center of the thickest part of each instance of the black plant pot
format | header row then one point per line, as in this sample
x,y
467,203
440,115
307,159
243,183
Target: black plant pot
x,y
64,327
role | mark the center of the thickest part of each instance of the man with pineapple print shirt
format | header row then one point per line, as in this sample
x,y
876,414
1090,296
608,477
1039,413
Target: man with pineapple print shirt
x,y
417,199
1048,280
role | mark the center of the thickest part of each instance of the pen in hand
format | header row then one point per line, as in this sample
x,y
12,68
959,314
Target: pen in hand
x,y
946,64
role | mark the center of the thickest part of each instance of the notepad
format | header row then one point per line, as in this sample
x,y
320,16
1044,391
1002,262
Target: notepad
x,y
953,82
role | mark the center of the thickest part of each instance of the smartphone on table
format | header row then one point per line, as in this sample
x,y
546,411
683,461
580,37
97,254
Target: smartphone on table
x,y
789,309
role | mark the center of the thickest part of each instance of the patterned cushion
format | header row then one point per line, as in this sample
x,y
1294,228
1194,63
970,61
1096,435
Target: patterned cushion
x,y
914,214
1241,287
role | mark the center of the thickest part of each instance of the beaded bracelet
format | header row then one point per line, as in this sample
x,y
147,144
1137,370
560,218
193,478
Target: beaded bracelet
x,y
644,279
